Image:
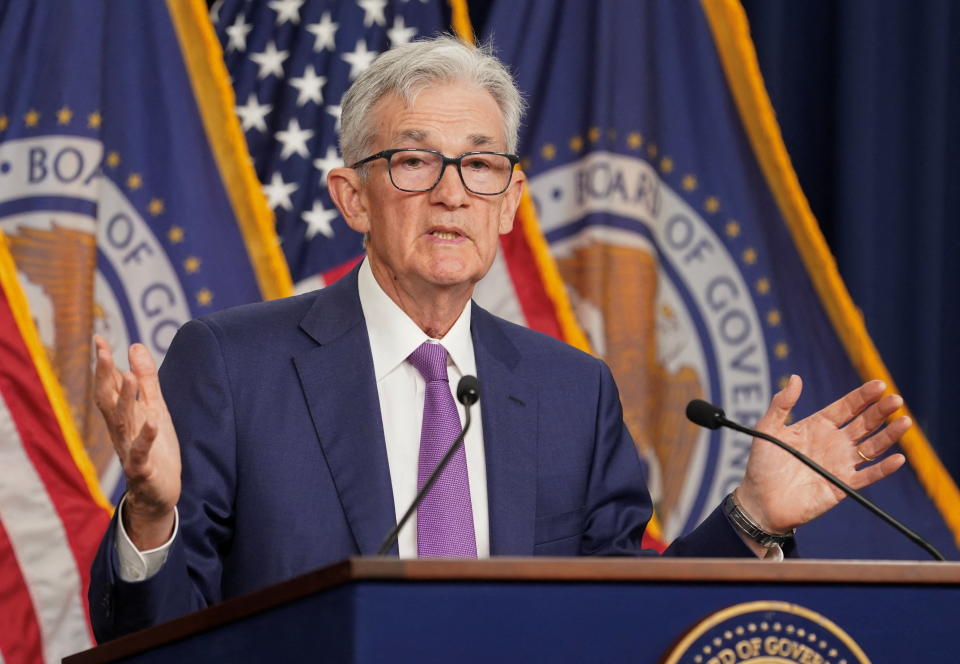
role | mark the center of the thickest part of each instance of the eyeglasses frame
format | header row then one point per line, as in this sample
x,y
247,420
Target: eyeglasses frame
x,y
446,161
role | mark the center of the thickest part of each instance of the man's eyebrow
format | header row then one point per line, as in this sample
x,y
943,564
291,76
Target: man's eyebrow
x,y
481,140
415,135
421,136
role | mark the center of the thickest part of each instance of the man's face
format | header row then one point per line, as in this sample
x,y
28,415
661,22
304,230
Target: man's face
x,y
447,236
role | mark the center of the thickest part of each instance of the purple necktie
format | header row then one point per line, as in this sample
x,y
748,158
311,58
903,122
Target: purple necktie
x,y
445,517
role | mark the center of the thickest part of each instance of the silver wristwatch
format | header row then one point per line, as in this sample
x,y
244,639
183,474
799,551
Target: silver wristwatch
x,y
746,525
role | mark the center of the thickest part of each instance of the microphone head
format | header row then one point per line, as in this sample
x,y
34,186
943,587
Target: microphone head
x,y
468,390
705,414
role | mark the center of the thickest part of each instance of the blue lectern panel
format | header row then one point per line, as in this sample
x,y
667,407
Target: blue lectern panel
x,y
463,622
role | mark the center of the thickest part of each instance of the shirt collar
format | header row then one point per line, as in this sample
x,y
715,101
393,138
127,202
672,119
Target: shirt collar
x,y
393,335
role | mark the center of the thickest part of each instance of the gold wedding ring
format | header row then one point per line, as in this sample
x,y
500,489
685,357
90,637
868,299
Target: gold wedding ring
x,y
864,456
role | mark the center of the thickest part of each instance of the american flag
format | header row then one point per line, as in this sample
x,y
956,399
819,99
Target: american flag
x,y
52,512
291,61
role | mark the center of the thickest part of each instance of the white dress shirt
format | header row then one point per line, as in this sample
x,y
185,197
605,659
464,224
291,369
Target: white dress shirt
x,y
393,336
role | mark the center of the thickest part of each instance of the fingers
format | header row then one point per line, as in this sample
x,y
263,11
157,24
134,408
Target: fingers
x,y
873,417
852,404
125,414
781,405
141,445
145,370
877,445
876,472
107,380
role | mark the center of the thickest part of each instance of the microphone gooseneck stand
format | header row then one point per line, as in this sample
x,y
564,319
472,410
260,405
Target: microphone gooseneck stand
x,y
710,416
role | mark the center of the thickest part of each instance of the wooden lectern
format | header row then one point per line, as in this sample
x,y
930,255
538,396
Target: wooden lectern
x,y
572,610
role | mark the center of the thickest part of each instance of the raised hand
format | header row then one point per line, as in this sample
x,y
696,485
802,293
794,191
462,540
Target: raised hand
x,y
780,493
143,436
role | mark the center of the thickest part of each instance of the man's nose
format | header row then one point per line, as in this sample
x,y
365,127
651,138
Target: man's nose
x,y
450,191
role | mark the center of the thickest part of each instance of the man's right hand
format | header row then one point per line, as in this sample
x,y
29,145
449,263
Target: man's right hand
x,y
145,440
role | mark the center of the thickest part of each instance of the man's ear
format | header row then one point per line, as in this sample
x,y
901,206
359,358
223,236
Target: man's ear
x,y
346,191
511,201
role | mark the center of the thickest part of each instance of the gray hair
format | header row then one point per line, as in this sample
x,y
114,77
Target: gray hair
x,y
408,69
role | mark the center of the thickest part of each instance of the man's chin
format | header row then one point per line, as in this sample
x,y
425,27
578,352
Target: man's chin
x,y
455,273
453,281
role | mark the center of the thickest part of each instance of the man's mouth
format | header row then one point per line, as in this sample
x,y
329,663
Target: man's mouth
x,y
444,234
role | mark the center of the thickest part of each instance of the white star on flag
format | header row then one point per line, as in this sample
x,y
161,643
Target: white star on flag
x,y
287,10
278,192
373,12
252,113
334,110
359,58
309,86
270,61
238,35
329,162
294,139
323,33
318,220
400,33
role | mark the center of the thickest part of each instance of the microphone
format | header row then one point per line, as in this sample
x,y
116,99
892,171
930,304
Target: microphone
x,y
705,414
468,393
710,416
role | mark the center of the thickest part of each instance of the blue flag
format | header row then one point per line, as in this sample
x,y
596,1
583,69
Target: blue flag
x,y
695,266
290,62
125,190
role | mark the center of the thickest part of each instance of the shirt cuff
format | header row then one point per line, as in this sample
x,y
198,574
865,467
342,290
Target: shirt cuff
x,y
136,565
774,553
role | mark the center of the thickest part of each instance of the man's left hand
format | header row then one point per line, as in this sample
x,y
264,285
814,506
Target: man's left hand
x,y
780,493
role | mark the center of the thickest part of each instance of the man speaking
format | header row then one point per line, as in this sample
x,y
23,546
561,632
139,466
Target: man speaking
x,y
284,436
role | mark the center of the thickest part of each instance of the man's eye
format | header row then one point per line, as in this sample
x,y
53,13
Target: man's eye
x,y
411,162
477,164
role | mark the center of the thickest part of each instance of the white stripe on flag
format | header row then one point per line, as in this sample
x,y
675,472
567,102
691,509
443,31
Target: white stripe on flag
x,y
40,545
309,284
497,294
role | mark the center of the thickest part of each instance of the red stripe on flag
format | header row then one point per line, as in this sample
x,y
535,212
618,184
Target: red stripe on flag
x,y
534,300
84,521
20,634
335,273
650,542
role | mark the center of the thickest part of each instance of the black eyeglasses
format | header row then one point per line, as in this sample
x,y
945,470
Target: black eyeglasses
x,y
414,171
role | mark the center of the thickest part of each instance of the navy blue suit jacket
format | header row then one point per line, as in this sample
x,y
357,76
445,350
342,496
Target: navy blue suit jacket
x,y
285,467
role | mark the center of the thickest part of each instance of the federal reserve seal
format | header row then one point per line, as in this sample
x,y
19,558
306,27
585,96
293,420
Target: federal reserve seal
x,y
668,298
89,262
766,632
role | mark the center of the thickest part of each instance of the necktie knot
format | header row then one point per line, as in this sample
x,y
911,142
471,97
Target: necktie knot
x,y
431,361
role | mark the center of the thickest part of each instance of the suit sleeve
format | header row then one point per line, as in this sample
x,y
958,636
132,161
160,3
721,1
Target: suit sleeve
x,y
196,386
620,504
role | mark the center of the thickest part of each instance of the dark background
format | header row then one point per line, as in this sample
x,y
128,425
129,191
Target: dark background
x,y
867,93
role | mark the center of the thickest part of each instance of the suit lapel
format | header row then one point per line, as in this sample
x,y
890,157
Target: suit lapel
x,y
510,413
338,380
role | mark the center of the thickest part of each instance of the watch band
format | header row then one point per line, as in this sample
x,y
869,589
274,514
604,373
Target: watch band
x,y
746,525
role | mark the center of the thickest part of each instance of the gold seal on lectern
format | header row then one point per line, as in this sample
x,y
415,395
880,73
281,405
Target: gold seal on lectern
x,y
766,632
